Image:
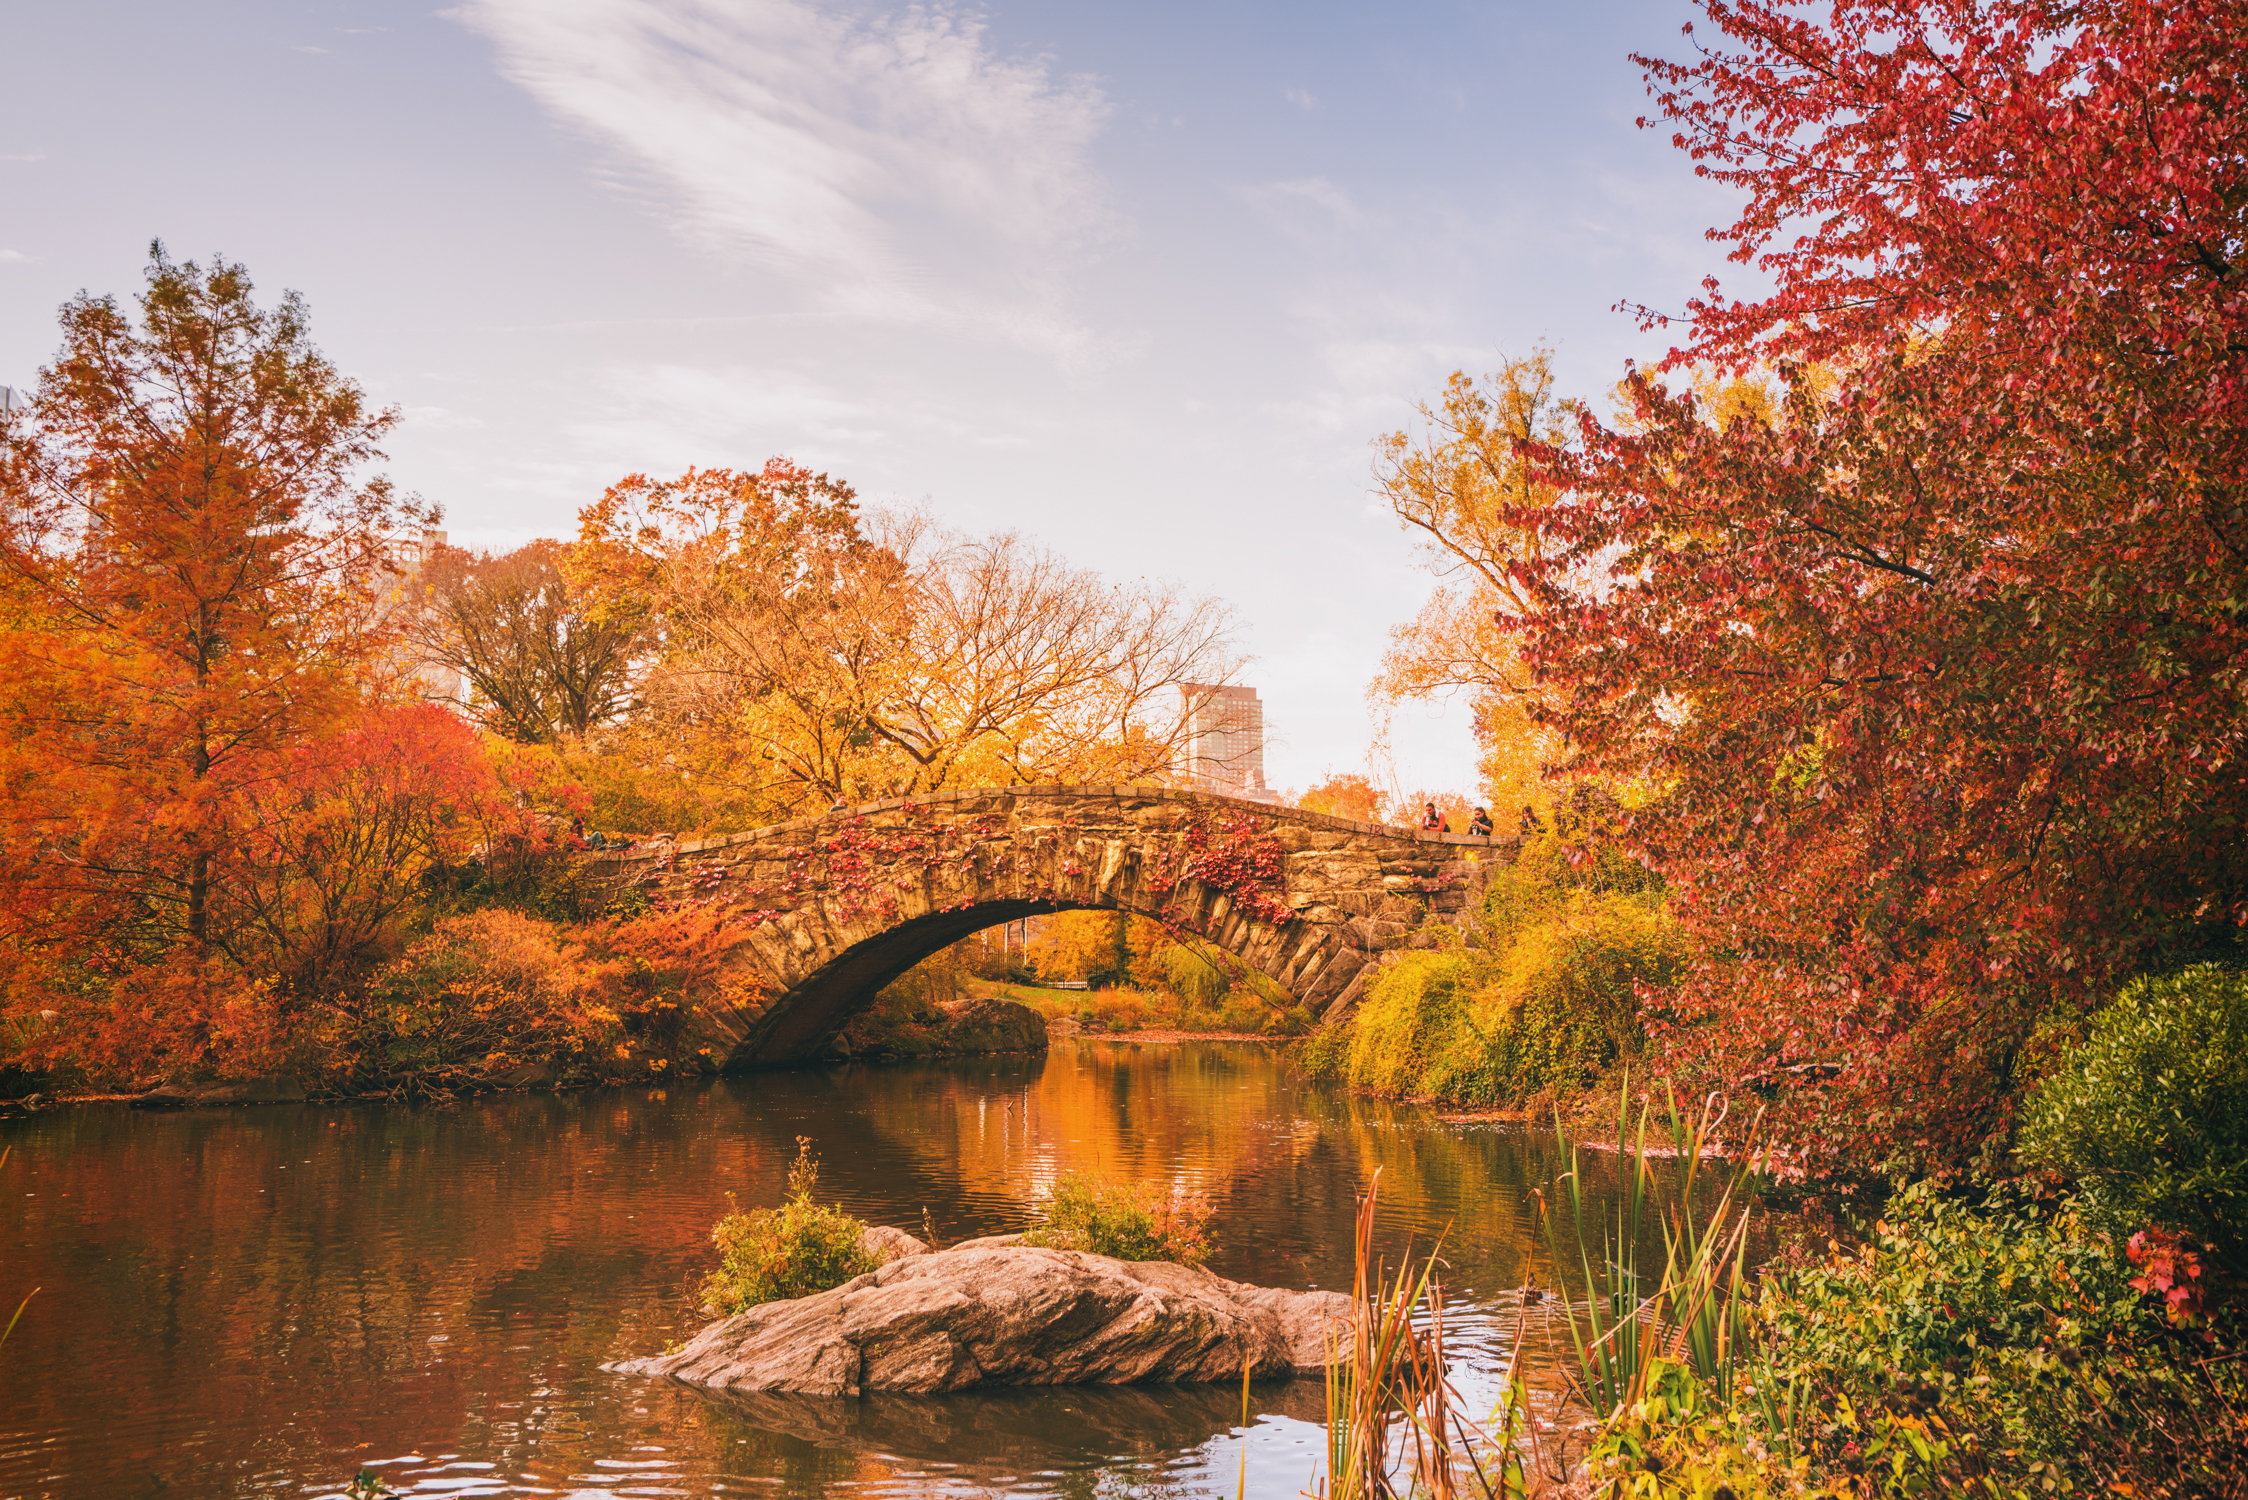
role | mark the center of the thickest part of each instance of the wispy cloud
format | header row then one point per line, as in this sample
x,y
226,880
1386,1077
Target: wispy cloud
x,y
899,166
1317,191
14,258
26,156
1302,99
318,51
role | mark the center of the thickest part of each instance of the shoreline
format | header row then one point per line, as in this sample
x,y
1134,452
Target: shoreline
x,y
1150,1036
1161,1034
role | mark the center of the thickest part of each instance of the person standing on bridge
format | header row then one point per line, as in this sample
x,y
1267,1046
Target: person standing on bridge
x,y
1432,821
1482,826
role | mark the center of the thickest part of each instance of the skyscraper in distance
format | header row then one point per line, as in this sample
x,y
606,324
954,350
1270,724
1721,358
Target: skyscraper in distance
x,y
1225,741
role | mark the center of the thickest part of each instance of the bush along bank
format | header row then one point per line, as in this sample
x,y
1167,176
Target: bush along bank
x,y
1540,1001
1996,1343
2077,1331
496,998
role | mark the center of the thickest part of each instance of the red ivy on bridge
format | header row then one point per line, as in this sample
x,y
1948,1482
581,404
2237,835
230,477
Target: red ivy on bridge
x,y
858,868
1233,855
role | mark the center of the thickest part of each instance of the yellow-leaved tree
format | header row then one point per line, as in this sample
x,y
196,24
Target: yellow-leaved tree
x,y
801,652
1461,483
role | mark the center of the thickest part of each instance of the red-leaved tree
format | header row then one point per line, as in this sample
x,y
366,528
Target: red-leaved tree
x,y
1937,675
332,846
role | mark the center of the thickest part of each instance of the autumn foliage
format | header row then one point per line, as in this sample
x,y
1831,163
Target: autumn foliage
x,y
805,650
1938,667
193,564
290,786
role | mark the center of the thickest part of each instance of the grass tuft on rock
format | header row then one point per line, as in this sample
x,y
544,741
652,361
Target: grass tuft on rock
x,y
1126,1220
796,1250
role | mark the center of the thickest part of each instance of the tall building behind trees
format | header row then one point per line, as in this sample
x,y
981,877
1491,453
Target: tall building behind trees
x,y
1225,741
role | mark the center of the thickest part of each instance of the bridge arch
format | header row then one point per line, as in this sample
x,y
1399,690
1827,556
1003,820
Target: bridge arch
x,y
841,905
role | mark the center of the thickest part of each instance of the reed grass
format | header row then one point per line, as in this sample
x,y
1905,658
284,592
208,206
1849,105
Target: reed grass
x,y
1393,1414
26,1302
1694,1310
1394,1423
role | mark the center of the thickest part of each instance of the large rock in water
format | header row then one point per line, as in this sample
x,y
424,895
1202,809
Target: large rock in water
x,y
1008,1314
991,1024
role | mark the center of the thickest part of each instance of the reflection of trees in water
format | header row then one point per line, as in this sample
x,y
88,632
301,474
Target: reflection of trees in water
x,y
261,1292
1284,1163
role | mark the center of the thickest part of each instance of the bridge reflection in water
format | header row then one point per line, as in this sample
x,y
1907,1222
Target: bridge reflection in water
x,y
258,1301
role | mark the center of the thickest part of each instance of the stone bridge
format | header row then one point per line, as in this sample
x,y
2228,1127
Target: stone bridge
x,y
841,905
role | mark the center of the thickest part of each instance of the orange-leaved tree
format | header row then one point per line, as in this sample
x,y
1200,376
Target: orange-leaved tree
x,y
803,652
195,562
1345,794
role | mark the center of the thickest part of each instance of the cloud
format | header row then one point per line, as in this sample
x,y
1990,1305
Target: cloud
x,y
14,258
26,156
320,51
897,166
1314,190
442,419
1302,99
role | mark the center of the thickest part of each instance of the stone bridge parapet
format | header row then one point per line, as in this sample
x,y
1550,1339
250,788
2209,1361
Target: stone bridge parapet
x,y
840,905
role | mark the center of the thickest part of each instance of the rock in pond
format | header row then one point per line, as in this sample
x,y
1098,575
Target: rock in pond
x,y
278,1088
166,1096
1010,1314
990,1024
275,1089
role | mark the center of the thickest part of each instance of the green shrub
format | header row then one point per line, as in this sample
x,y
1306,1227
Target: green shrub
x,y
1565,1004
1549,1006
795,1250
1411,1013
1130,1221
2151,1113
2009,1330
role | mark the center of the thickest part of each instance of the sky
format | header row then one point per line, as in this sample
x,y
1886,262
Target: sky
x,y
1142,282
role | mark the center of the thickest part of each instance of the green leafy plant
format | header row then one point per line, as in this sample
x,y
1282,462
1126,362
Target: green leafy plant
x,y
2146,1113
1127,1220
796,1250
2008,1336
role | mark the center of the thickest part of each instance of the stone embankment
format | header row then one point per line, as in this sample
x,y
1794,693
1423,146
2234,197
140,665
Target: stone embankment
x,y
999,1312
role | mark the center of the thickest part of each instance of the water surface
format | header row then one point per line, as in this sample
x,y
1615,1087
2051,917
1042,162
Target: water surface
x,y
261,1301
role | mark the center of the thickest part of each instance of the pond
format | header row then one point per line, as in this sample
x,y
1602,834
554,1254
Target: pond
x,y
262,1301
